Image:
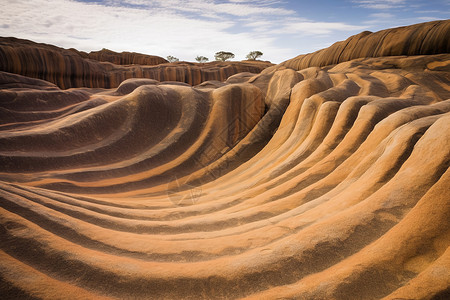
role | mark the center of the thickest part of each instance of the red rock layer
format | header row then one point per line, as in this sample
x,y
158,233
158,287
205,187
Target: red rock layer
x,y
68,69
425,38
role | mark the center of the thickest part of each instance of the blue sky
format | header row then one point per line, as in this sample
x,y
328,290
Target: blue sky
x,y
281,29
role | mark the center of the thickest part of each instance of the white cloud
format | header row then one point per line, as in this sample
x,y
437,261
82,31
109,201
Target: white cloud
x,y
180,28
119,28
431,11
381,18
319,28
382,15
234,8
380,4
427,19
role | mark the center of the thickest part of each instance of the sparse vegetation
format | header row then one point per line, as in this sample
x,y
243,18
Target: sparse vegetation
x,y
171,58
223,55
201,59
253,55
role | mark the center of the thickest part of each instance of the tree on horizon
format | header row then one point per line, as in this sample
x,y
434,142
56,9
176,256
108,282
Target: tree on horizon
x,y
201,59
171,58
223,55
253,55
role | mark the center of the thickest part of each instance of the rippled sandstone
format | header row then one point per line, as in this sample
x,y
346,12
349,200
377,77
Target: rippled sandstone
x,y
323,182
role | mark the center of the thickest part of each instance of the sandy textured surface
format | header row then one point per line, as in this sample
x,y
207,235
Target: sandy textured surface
x,y
325,182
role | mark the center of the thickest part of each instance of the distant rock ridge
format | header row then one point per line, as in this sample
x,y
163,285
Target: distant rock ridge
x,y
418,39
69,68
125,58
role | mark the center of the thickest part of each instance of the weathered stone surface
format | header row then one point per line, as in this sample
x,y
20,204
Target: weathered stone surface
x,y
324,183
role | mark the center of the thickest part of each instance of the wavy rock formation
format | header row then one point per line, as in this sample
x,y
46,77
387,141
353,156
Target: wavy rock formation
x,y
71,68
419,39
324,183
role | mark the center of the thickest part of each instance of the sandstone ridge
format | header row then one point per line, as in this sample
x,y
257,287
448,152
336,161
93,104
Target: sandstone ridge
x,y
124,58
420,39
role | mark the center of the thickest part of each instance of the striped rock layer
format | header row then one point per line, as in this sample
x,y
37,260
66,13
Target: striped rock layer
x,y
322,183
72,69
424,38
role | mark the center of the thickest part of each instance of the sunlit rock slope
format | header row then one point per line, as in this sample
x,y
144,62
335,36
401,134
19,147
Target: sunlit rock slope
x,y
326,182
424,38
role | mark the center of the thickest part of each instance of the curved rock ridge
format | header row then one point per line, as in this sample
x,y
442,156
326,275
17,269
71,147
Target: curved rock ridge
x,y
419,39
73,69
125,58
324,183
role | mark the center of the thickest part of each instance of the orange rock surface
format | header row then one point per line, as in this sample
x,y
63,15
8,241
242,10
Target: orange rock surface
x,y
326,182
